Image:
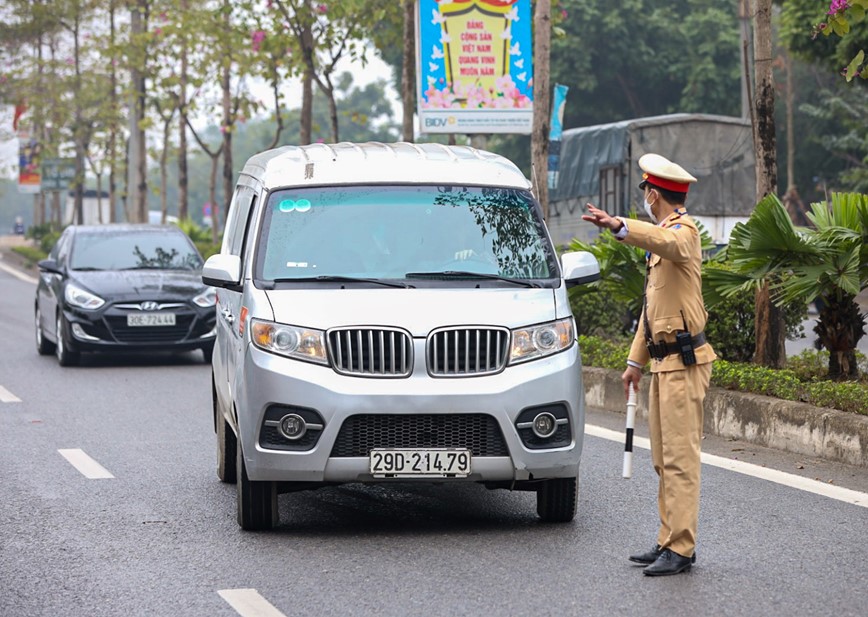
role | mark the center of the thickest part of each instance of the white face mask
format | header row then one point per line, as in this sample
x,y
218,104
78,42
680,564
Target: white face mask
x,y
648,211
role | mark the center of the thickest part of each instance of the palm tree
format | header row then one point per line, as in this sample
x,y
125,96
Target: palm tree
x,y
826,262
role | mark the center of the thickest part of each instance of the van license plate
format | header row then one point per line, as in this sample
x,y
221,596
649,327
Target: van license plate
x,y
408,463
151,319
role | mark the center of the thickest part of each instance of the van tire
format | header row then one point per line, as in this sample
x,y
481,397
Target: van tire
x,y
557,500
227,444
257,501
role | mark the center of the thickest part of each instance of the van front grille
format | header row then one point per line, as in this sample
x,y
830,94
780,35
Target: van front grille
x,y
372,352
458,352
480,433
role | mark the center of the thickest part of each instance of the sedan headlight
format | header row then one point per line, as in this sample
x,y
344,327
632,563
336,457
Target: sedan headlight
x,y
290,341
79,298
206,298
542,340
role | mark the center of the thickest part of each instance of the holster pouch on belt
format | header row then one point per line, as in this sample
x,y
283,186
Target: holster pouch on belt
x,y
684,344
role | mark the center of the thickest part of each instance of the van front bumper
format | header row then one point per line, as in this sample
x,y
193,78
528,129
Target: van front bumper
x,y
267,380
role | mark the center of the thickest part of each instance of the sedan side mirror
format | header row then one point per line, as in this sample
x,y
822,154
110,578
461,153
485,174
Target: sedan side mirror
x,y
580,268
49,265
222,271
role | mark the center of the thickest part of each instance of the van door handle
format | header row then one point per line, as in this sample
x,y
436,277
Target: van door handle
x,y
227,315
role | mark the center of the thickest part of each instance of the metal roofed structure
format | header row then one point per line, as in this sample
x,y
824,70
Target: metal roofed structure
x,y
374,162
600,164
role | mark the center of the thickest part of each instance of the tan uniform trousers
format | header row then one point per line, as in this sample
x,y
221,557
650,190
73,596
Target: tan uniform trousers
x,y
675,424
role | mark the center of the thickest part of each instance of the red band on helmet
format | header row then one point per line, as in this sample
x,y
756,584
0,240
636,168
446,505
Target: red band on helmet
x,y
669,185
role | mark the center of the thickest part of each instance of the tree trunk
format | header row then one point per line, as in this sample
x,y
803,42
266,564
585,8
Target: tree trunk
x,y
839,328
113,131
307,50
183,173
541,101
212,199
137,184
229,127
770,327
408,71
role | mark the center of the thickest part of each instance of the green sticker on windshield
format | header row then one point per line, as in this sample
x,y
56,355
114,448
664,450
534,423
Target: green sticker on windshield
x,y
298,205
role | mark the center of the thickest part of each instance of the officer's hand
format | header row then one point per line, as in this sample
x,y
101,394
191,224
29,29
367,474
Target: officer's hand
x,y
601,219
631,376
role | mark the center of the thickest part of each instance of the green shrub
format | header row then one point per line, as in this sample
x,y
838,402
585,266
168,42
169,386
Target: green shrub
x,y
813,365
804,382
731,321
31,254
600,314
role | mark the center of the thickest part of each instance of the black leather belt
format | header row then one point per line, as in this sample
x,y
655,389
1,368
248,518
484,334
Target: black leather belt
x,y
662,349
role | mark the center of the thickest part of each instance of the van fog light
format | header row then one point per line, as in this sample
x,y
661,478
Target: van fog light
x,y
292,426
544,425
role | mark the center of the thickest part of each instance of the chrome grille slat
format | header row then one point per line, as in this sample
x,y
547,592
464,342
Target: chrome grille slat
x,y
370,351
467,351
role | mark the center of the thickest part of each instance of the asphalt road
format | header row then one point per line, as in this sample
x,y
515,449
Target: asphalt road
x,y
156,535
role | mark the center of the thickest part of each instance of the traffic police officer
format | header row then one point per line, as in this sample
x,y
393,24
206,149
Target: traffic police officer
x,y
670,336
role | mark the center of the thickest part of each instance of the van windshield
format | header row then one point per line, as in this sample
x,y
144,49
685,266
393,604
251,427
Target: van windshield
x,y
399,232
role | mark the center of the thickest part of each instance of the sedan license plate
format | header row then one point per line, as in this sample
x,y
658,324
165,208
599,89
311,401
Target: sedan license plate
x,y
151,319
411,462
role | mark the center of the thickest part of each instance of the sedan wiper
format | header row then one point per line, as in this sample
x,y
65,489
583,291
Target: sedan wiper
x,y
330,278
87,269
144,268
460,274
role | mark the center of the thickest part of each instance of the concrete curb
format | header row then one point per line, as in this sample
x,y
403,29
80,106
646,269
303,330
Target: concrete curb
x,y
785,425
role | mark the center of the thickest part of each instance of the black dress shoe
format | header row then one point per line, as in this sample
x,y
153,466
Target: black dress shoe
x,y
648,557
669,562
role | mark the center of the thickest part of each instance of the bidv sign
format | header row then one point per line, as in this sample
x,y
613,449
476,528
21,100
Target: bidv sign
x,y
439,122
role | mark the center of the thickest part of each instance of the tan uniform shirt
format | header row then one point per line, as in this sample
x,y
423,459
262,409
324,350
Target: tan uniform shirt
x,y
674,285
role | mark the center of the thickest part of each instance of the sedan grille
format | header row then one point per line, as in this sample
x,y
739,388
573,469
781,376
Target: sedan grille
x,y
458,352
360,434
372,352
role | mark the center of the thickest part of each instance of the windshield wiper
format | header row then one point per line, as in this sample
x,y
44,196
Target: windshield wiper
x,y
145,268
460,274
87,269
330,278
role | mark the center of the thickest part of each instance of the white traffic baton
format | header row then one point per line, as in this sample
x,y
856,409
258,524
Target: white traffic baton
x,y
628,446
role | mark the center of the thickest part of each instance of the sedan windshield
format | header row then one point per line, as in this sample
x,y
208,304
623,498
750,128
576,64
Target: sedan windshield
x,y
404,232
138,250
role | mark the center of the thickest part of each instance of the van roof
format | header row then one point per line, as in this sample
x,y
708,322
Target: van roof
x,y
375,162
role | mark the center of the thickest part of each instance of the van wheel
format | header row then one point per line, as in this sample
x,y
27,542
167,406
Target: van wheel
x,y
557,500
257,501
43,345
226,446
65,356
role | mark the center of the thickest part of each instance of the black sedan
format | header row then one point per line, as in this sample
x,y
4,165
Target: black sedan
x,y
123,288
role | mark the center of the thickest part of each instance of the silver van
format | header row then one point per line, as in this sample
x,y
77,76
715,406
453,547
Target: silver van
x,y
393,312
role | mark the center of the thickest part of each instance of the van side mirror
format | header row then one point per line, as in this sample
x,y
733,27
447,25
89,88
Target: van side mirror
x,y
580,268
222,271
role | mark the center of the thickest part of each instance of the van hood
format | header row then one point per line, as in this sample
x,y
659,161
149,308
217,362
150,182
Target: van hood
x,y
417,310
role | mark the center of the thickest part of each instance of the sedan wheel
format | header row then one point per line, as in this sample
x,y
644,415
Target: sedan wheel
x,y
43,345
65,356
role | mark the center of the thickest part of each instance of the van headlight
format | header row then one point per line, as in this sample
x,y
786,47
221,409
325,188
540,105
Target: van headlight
x,y
291,341
79,298
541,340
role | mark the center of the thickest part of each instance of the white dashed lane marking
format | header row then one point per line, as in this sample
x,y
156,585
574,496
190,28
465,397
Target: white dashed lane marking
x,y
88,467
772,475
248,603
7,397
